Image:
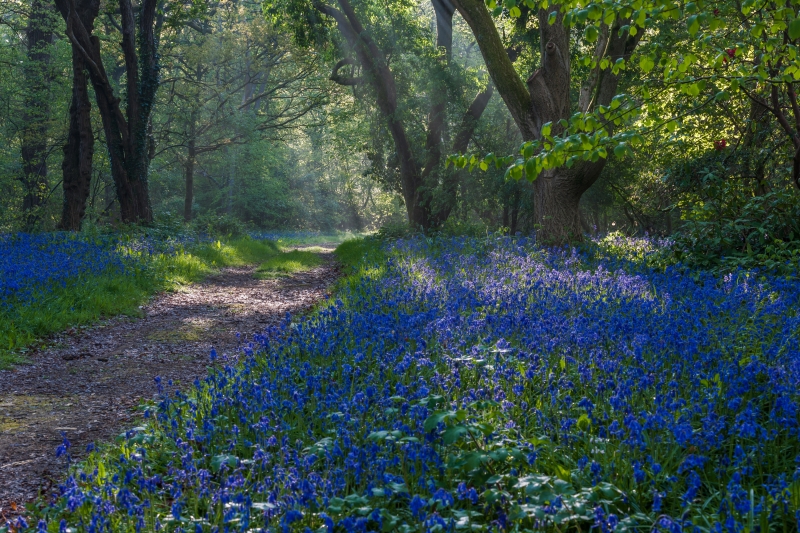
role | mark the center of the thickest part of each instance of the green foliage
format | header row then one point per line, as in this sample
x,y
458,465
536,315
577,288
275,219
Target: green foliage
x,y
391,232
353,253
287,263
219,225
730,231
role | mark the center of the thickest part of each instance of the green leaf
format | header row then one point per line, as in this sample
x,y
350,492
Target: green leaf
x,y
646,64
531,170
590,33
794,29
693,25
453,434
434,420
219,460
515,12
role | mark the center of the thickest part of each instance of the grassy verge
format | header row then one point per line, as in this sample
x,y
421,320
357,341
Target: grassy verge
x,y
288,263
353,253
290,240
87,298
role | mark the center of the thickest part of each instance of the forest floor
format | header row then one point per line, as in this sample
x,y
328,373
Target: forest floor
x,y
87,384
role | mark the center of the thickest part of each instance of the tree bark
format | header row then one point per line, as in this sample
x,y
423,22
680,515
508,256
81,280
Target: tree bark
x,y
190,161
546,98
76,166
126,134
33,149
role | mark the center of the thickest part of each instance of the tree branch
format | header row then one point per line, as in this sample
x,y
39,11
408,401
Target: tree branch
x,y
505,78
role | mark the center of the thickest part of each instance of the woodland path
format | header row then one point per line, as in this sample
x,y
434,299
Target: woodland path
x,y
88,383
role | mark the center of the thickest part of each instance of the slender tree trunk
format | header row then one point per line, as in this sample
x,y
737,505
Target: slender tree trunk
x,y
33,149
376,71
77,163
190,161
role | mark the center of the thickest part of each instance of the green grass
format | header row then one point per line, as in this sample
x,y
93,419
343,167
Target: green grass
x,y
310,240
90,299
287,263
238,252
354,252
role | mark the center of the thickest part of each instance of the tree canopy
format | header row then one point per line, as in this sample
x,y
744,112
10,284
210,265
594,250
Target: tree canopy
x,y
563,119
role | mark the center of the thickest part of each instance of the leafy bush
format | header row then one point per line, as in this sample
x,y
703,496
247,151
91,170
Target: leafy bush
x,y
480,385
390,232
760,232
734,216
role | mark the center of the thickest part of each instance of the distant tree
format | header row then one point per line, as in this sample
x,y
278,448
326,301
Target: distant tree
x,y
36,117
226,83
420,164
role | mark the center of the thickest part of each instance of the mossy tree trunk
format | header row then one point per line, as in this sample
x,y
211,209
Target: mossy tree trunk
x,y
33,149
545,97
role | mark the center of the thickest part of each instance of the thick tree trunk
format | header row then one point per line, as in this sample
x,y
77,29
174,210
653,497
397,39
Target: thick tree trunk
x,y
77,163
33,149
126,135
546,98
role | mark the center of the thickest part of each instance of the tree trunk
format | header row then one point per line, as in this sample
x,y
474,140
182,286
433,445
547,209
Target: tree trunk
x,y
33,149
556,212
546,98
126,135
190,160
77,164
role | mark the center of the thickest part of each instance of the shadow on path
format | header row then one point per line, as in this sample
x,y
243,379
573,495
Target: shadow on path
x,y
87,384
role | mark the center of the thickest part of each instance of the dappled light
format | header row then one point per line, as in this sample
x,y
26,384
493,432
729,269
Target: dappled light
x,y
421,267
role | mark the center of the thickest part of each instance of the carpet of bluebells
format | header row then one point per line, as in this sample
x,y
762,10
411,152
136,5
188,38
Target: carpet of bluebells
x,y
479,385
31,265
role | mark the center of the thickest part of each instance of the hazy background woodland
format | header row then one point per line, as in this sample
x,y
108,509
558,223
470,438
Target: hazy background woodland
x,y
268,117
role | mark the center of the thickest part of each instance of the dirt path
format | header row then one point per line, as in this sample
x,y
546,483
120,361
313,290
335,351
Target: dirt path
x,y
88,383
